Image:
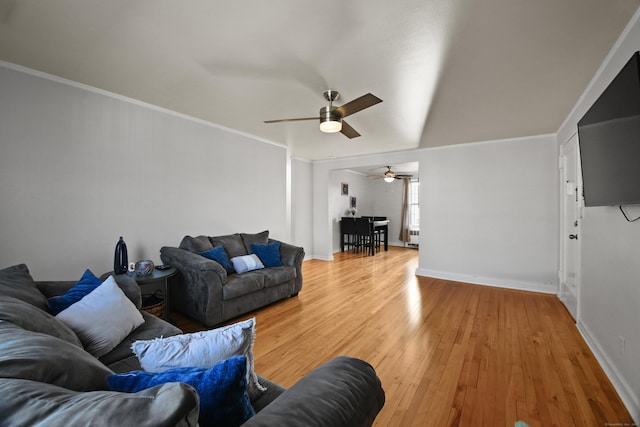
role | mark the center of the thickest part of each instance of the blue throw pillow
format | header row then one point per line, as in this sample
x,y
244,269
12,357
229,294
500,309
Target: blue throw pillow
x,y
87,283
268,253
219,255
224,400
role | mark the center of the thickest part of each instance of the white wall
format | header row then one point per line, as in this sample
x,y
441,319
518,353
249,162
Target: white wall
x,y
339,203
79,168
489,213
302,213
609,289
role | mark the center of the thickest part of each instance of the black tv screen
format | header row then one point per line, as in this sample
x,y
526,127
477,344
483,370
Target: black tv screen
x,y
609,138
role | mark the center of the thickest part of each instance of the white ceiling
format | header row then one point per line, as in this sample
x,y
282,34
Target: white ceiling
x,y
448,71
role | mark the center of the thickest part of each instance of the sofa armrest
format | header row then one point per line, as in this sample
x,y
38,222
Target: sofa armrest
x,y
292,256
344,392
184,260
197,288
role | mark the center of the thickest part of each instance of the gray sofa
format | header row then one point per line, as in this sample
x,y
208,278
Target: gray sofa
x,y
205,291
47,378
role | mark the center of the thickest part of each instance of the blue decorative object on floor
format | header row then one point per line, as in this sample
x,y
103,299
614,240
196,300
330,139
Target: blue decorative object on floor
x,y
520,424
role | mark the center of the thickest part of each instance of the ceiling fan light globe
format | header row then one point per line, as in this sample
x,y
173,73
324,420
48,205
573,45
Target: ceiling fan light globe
x,y
330,120
388,179
331,126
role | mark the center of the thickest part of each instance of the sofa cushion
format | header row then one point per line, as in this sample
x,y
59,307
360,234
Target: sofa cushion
x,y
256,238
275,276
241,284
34,319
87,283
219,255
39,357
30,403
195,244
103,318
244,263
152,327
222,389
201,349
232,243
16,281
269,253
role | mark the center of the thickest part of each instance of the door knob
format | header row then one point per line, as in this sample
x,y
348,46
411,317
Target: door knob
x,y
573,236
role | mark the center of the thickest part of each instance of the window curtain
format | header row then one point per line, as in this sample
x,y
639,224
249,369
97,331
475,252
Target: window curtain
x,y
404,219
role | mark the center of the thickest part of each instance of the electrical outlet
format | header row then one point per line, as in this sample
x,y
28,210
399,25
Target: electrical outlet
x,y
623,343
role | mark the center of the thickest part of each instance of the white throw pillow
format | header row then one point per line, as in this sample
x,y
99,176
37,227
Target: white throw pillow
x,y
244,263
102,318
202,350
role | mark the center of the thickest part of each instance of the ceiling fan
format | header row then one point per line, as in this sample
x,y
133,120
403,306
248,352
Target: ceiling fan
x,y
390,176
331,116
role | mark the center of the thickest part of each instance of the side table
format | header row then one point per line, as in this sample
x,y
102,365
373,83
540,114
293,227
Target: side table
x,y
158,277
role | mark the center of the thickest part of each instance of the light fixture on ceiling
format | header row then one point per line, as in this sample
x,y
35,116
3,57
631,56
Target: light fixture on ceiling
x,y
330,120
389,175
331,117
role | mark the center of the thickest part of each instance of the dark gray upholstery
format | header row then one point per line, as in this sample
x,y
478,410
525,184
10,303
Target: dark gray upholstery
x,y
320,398
232,244
43,358
48,379
203,290
16,281
27,403
34,319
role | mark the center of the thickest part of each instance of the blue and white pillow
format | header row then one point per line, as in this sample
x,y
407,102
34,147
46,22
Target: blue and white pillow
x,y
244,263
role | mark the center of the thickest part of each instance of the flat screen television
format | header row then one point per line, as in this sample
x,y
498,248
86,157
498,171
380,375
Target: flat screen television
x,y
609,139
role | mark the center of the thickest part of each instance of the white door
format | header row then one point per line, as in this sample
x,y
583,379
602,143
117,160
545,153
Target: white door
x,y
571,191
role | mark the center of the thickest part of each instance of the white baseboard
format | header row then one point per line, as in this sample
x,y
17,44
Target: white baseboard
x,y
321,258
521,285
628,397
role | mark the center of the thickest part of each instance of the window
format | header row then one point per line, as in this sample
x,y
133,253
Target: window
x,y
414,205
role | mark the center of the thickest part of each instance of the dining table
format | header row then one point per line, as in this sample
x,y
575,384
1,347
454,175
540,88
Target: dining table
x,y
380,227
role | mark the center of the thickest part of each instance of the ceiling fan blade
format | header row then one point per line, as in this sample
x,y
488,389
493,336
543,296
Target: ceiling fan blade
x,y
358,104
348,131
292,120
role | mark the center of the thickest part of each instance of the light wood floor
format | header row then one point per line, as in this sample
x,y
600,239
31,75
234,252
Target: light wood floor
x,y
447,353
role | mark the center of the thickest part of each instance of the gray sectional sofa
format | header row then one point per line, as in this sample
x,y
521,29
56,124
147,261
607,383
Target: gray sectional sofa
x,y
47,377
208,292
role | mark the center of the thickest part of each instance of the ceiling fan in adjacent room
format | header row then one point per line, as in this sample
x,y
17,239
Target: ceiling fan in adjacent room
x,y
390,176
331,116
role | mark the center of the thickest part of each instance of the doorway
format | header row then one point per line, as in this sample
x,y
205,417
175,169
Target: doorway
x,y
570,205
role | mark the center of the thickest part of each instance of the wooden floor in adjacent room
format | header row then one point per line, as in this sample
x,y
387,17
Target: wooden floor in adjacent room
x,y
447,353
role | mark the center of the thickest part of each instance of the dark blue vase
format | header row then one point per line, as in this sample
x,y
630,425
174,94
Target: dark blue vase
x,y
121,259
